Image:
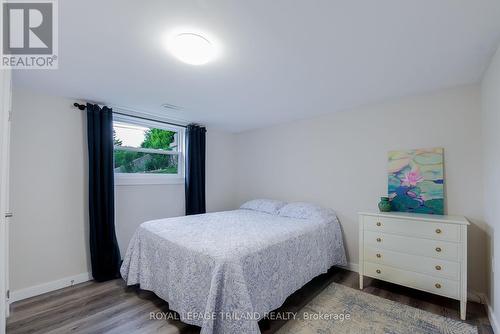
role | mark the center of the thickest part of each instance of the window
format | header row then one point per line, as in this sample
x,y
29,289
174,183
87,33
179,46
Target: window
x,y
147,152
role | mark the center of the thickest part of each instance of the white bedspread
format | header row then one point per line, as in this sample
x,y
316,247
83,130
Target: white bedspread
x,y
224,271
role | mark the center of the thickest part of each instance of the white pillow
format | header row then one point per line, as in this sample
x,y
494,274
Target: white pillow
x,y
304,210
270,206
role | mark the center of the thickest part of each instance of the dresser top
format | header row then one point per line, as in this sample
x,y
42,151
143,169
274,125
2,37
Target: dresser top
x,y
461,220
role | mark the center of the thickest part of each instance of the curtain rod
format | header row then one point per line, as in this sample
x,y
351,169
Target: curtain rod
x,y
83,107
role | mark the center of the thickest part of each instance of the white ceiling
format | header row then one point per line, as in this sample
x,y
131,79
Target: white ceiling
x,y
282,59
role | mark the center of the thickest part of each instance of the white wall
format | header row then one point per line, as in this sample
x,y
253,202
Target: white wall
x,y
135,204
340,160
491,171
49,190
221,171
49,231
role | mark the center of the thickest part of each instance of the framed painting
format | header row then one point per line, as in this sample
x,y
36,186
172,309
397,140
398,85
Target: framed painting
x,y
416,180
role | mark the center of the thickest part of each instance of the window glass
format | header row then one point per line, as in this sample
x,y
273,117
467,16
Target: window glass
x,y
141,149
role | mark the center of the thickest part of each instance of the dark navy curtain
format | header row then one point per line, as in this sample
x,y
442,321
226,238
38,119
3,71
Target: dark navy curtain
x,y
195,169
104,251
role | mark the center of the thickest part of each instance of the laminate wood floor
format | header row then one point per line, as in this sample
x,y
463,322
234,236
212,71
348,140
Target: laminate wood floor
x,y
111,307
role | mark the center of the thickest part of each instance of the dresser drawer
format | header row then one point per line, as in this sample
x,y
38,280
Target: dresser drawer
x,y
423,247
425,265
430,230
440,286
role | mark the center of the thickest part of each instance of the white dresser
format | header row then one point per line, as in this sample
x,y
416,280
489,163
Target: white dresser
x,y
425,252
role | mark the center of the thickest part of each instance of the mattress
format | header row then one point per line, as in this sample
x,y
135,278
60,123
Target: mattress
x,y
224,271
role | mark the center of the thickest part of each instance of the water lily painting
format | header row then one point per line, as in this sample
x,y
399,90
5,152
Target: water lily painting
x,y
416,181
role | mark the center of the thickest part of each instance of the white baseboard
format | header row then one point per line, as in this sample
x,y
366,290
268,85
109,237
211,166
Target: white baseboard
x,y
36,290
472,296
477,297
495,323
351,267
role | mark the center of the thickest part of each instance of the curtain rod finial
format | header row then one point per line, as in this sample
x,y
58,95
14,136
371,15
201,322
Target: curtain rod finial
x,y
79,106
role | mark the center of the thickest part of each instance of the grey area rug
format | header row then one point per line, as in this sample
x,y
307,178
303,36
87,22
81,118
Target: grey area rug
x,y
339,309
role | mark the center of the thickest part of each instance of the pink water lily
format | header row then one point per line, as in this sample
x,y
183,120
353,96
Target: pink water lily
x,y
412,178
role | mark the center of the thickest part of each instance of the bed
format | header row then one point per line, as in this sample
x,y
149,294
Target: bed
x,y
224,271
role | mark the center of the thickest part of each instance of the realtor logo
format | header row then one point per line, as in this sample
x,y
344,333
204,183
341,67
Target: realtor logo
x,y
29,34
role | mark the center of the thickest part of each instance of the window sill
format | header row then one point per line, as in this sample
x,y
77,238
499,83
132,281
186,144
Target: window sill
x,y
137,180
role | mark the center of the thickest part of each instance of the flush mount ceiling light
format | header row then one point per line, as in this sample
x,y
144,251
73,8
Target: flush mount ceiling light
x,y
192,47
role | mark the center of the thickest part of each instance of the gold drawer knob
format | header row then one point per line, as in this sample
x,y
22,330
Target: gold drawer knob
x,y
379,240
378,271
438,249
379,256
379,224
437,285
438,231
438,267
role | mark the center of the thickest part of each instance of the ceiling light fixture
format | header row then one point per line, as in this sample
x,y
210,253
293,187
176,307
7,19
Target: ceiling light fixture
x,y
192,47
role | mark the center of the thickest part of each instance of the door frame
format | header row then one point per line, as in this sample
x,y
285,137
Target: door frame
x,y
5,110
